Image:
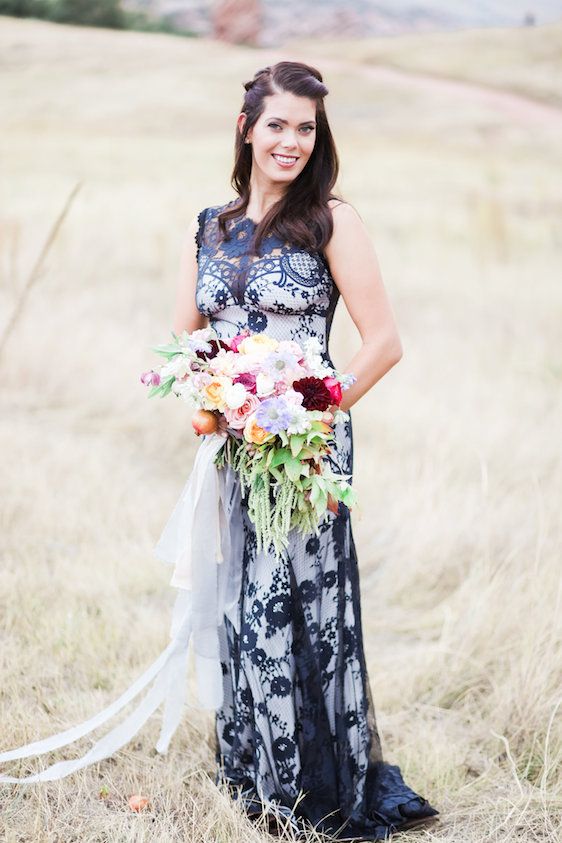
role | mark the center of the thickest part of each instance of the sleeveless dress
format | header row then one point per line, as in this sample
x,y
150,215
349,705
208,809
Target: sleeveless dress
x,y
297,729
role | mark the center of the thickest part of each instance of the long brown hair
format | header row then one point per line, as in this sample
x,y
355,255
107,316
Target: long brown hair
x,y
302,215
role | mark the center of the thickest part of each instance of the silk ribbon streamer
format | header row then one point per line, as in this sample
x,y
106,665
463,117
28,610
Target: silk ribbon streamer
x,y
204,543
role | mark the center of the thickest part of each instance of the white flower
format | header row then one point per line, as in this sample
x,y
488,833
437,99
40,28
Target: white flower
x,y
187,392
340,416
235,395
197,340
312,346
293,397
225,363
264,384
201,379
319,367
179,366
347,379
292,347
299,422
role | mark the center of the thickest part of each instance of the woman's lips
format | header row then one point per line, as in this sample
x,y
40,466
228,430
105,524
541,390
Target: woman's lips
x,y
284,164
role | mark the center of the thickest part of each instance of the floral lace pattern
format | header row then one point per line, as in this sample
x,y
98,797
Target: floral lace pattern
x,y
298,721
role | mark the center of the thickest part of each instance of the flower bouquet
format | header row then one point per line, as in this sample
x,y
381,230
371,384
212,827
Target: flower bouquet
x,y
274,402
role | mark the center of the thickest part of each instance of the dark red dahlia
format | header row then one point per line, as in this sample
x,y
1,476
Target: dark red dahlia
x,y
216,345
316,395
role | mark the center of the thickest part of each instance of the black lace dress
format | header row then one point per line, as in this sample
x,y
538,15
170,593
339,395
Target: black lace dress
x,y
297,724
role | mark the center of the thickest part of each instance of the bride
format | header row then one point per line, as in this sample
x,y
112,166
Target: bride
x,y
278,647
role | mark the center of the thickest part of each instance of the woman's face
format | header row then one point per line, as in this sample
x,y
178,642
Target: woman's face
x,y
283,137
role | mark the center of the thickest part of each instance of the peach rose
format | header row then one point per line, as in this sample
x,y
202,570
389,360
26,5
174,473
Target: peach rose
x,y
257,344
254,433
213,393
237,418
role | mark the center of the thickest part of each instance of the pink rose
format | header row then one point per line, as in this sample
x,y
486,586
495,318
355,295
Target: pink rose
x,y
248,380
334,387
237,418
235,341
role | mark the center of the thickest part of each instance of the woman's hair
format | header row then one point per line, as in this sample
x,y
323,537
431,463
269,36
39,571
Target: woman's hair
x,y
302,215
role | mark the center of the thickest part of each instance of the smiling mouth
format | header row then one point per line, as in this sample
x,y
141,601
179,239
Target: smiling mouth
x,y
285,159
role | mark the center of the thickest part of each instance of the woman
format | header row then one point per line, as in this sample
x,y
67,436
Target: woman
x,y
296,730
297,726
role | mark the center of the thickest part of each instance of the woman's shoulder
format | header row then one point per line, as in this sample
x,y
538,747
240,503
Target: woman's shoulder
x,y
348,228
342,209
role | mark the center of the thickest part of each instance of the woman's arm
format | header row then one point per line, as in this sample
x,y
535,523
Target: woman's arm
x,y
355,269
186,315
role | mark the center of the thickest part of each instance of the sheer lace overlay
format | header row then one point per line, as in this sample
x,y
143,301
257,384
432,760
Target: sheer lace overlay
x,y
297,728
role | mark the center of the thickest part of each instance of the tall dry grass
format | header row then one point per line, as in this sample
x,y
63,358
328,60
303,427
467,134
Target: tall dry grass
x,y
457,450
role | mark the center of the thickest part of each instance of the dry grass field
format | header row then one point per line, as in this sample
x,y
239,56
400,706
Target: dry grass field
x,y
457,451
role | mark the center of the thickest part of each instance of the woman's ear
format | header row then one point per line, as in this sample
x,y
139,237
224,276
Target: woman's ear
x,y
241,121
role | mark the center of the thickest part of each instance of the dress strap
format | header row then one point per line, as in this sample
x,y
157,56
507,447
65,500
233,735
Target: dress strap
x,y
201,217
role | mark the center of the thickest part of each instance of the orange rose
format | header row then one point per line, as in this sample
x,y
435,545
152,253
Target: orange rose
x,y
254,433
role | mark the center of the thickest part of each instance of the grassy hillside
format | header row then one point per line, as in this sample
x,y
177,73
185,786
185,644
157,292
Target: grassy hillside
x,y
526,61
457,464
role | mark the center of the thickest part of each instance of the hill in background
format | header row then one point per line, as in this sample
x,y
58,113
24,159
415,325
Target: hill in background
x,y
269,22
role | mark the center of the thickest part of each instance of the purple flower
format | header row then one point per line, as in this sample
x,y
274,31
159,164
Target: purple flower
x,y
278,363
274,414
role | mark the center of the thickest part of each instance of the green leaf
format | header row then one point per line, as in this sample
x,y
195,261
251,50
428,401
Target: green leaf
x,y
296,443
277,473
166,349
349,496
281,456
293,469
167,385
163,387
321,504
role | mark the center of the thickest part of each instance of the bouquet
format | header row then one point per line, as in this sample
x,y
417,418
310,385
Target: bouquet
x,y
274,402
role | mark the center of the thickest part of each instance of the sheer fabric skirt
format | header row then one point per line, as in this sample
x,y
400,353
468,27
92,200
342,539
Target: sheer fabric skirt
x,y
297,728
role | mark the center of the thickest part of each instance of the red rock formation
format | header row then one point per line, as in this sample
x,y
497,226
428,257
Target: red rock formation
x,y
237,21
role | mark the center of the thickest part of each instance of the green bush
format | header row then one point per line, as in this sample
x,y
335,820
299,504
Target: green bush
x,y
107,13
23,8
89,13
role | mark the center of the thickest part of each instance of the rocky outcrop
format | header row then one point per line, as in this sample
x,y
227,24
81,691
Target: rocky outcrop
x,y
237,21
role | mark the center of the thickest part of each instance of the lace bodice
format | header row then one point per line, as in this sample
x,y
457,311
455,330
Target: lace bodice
x,y
284,290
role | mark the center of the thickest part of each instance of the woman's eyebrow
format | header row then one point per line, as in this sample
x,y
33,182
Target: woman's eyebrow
x,y
286,122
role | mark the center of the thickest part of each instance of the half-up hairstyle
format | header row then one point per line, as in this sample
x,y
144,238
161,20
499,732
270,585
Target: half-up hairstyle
x,y
302,216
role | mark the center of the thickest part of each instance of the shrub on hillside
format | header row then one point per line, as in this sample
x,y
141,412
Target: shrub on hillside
x,y
89,13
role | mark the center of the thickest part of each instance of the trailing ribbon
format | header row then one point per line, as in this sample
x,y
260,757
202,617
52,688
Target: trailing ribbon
x,y
205,545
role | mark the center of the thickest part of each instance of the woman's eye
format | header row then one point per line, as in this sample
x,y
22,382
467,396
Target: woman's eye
x,y
277,126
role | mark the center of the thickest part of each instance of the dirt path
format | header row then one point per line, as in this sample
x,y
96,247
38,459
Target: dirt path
x,y
516,107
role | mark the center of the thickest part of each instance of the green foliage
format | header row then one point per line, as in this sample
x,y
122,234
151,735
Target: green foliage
x,y
163,388
104,13
283,492
24,8
89,13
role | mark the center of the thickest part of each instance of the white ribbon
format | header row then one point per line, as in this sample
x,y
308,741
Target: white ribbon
x,y
205,545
